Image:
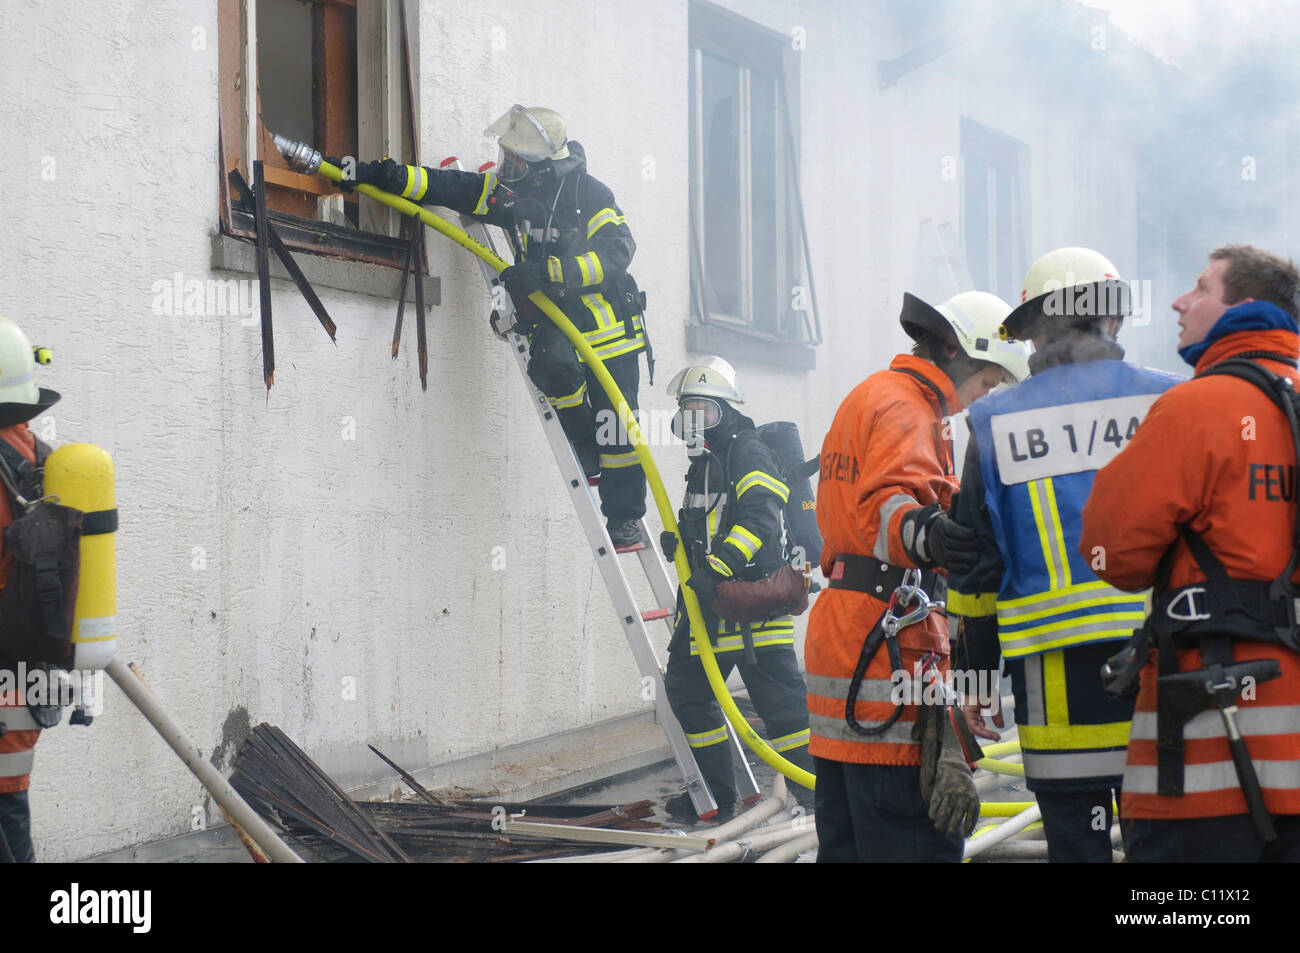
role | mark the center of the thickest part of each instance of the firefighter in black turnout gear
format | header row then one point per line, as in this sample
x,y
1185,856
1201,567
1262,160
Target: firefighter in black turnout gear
x,y
731,525
570,242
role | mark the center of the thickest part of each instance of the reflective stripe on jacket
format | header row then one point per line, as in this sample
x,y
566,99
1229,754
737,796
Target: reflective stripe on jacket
x,y
1040,443
1213,453
575,225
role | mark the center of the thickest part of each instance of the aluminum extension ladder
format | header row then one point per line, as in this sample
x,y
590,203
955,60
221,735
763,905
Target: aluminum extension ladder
x,y
633,620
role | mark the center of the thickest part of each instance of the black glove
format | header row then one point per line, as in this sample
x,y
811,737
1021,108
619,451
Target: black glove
x,y
705,581
524,278
931,539
668,543
385,174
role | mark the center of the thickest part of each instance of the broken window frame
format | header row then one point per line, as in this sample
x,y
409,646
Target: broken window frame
x,y
384,118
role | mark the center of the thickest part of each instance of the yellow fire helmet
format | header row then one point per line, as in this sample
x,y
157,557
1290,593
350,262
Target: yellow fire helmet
x,y
712,377
1076,285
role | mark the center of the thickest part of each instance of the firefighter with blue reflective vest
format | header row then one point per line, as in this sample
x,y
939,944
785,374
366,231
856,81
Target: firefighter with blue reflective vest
x,y
571,242
20,400
892,758
731,525
1032,600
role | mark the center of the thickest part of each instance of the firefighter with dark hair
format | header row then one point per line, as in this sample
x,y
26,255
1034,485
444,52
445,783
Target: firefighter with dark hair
x,y
893,763
1201,505
731,525
1031,598
572,243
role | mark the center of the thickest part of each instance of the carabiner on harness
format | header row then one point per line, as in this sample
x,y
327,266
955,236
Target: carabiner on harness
x,y
908,605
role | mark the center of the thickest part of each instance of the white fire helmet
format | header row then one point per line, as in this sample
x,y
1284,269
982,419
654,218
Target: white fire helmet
x,y
1075,285
525,136
699,390
974,318
20,397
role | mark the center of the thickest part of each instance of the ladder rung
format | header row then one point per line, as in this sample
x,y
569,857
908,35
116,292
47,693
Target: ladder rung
x,y
650,615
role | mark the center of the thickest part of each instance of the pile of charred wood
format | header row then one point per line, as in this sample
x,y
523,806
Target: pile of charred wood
x,y
291,791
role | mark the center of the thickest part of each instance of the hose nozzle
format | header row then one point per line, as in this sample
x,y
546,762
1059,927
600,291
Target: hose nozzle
x,y
299,155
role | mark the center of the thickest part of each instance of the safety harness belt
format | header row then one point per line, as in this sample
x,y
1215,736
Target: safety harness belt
x,y
1210,618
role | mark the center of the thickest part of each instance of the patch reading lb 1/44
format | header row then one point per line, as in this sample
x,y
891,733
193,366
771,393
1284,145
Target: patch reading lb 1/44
x,y
1070,438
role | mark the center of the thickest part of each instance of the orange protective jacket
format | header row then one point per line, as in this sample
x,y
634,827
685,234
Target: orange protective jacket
x,y
1215,453
18,743
888,452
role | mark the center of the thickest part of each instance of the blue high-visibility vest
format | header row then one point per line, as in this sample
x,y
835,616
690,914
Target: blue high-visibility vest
x,y
1040,444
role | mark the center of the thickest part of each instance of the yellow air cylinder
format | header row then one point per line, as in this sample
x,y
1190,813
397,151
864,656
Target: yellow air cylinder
x,y
81,476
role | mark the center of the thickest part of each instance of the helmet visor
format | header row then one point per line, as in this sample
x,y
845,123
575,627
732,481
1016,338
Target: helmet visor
x,y
523,134
694,416
511,167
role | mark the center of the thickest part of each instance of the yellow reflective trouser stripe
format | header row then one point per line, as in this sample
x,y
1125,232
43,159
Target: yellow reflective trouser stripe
x,y
1055,704
703,739
959,603
570,400
612,461
417,182
1065,737
744,540
734,643
606,216
766,480
718,565
793,740
555,270
489,183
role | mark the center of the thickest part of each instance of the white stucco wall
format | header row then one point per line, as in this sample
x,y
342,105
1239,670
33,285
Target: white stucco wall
x,y
264,556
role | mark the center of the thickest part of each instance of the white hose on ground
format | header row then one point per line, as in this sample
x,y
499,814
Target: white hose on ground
x,y
769,809
211,779
1013,825
1016,850
790,850
752,842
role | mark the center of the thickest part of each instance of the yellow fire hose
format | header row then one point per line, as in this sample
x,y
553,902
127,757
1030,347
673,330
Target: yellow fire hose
x,y
301,156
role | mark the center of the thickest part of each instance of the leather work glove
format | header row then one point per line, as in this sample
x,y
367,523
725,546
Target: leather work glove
x,y
931,539
383,174
946,782
524,278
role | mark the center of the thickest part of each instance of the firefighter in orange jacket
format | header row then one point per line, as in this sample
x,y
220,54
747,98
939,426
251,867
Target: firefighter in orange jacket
x,y
886,480
20,401
1202,504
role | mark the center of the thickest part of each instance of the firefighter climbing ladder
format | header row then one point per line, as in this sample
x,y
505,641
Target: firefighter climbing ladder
x,y
633,620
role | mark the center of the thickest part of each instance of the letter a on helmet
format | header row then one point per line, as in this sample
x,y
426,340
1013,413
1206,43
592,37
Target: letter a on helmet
x,y
712,377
